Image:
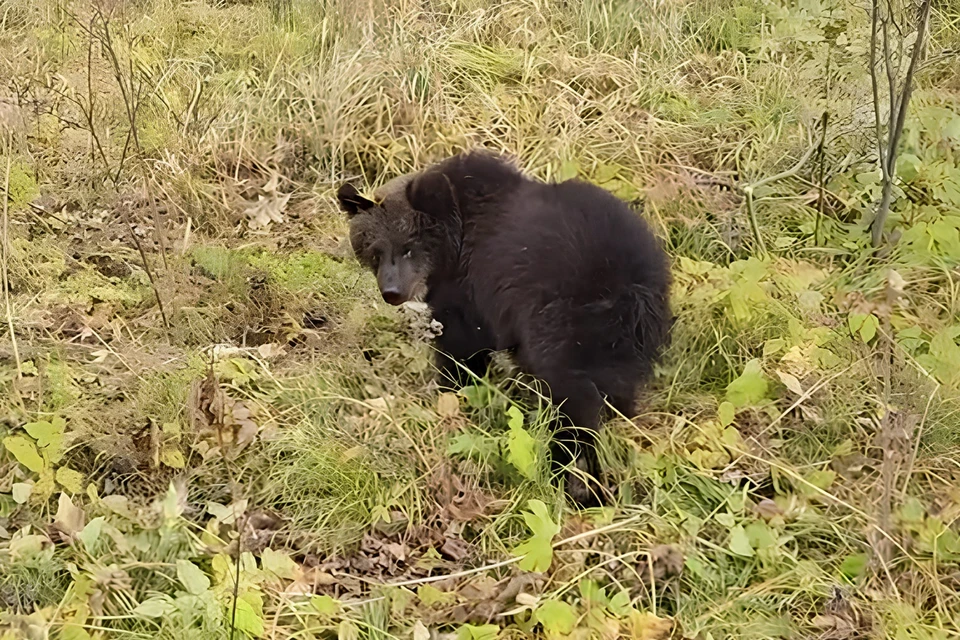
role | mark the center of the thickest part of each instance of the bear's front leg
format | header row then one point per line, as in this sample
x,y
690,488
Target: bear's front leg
x,y
465,346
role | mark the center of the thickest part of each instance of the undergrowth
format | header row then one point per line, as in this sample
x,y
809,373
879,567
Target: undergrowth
x,y
212,426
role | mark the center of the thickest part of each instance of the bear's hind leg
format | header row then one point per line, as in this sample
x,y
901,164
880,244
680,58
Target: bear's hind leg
x,y
575,438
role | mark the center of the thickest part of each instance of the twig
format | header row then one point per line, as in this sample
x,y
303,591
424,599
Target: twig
x,y
749,189
5,280
888,448
146,267
898,109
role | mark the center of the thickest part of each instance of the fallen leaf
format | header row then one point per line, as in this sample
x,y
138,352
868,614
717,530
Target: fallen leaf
x,y
790,382
69,519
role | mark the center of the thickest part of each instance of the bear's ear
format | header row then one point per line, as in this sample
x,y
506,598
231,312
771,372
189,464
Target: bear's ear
x,y
432,193
351,201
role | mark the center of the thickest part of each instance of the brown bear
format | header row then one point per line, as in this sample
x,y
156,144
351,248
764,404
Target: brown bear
x,y
564,276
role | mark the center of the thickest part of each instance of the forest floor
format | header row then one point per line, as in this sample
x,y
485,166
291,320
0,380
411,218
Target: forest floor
x,y
213,427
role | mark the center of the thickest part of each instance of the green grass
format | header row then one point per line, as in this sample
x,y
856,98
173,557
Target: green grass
x,y
284,411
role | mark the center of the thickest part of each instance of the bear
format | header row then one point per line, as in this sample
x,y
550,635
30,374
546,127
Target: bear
x,y
563,276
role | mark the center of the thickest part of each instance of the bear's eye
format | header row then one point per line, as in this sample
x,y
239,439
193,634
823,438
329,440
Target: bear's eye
x,y
408,253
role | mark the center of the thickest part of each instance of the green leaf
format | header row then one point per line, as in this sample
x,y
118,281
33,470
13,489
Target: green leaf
x,y
70,480
619,604
772,346
25,452
21,492
853,566
865,324
760,535
726,413
247,618
152,608
750,388
521,446
538,550
557,617
192,578
908,167
912,511
592,592
46,433
172,457
430,595
325,605
568,170
740,542
91,533
483,632
73,631
822,478
279,564
478,396
348,630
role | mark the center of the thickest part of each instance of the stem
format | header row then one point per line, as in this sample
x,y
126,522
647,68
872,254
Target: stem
x,y
4,281
897,122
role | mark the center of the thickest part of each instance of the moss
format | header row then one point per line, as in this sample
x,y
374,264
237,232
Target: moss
x,y
23,184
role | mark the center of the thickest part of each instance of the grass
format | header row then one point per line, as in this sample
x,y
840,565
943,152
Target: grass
x,y
792,473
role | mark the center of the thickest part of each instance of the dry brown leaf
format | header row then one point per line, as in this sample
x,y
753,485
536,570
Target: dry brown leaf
x,y
767,509
266,210
666,561
69,519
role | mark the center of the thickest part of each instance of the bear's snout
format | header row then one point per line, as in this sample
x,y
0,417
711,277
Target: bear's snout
x,y
392,296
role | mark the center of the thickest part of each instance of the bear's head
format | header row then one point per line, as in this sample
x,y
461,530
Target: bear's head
x,y
390,238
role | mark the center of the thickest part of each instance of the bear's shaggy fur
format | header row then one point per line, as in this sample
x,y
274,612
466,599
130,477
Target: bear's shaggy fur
x,y
565,276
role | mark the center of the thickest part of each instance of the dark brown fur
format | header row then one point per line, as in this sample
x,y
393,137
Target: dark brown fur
x,y
565,276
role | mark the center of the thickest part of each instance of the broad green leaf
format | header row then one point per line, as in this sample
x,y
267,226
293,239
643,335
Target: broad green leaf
x,y
726,413
557,617
248,619
21,492
24,451
568,170
430,595
740,542
73,631
853,566
821,479
192,578
619,604
908,167
760,535
325,605
70,480
514,417
91,533
46,433
592,592
864,324
279,564
172,457
912,511
750,388
537,552
522,452
151,608
482,632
